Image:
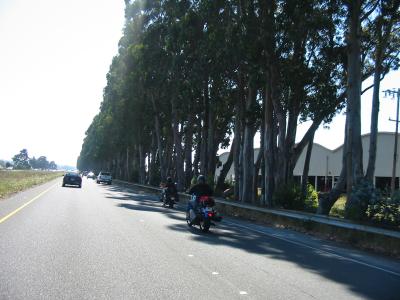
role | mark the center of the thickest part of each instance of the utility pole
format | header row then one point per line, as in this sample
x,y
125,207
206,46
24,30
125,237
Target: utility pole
x,y
392,94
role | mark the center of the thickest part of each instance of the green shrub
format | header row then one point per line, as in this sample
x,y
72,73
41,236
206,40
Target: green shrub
x,y
385,210
363,194
289,196
311,200
338,208
210,181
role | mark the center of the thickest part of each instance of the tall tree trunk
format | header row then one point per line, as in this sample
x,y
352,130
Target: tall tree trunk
x,y
262,164
225,169
326,202
178,149
157,125
169,153
197,153
239,135
204,131
354,151
188,150
256,172
306,168
142,165
149,171
127,164
248,147
153,162
280,117
382,42
374,125
119,163
136,164
237,152
269,141
211,153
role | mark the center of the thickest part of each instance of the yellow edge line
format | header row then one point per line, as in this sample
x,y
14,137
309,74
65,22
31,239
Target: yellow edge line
x,y
26,204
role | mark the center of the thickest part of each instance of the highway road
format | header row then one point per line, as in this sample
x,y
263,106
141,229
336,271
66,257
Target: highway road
x,y
116,242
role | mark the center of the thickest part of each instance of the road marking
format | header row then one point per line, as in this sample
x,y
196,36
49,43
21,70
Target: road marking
x,y
190,255
215,273
141,220
26,204
317,249
243,293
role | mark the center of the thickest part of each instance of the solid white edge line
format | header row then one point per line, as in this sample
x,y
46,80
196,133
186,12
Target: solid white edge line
x,y
316,249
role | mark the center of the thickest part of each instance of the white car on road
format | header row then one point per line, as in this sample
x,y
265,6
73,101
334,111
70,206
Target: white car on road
x,y
104,177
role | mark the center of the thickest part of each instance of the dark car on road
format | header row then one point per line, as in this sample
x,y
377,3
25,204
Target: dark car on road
x,y
72,178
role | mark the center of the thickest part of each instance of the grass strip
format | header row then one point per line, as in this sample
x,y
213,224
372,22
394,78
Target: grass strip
x,y
13,181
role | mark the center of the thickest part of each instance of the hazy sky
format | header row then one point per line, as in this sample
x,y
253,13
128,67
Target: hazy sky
x,y
333,136
54,57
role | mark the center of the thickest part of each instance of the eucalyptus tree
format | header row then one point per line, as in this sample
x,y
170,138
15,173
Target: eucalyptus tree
x,y
189,74
381,30
249,73
147,49
214,73
302,78
361,44
21,160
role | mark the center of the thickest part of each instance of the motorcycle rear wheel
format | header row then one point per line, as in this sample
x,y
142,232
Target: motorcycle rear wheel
x,y
188,219
205,225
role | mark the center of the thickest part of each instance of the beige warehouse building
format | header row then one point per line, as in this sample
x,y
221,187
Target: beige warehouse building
x,y
326,164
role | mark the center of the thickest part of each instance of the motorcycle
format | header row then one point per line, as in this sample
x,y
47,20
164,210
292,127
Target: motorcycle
x,y
204,214
168,199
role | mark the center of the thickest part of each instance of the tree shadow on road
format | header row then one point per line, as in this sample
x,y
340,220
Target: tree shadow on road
x,y
330,266
138,200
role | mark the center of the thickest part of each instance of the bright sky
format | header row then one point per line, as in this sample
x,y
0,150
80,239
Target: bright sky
x,y
54,57
333,137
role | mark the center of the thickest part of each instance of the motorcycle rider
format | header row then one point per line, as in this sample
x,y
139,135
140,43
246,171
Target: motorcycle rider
x,y
170,189
201,188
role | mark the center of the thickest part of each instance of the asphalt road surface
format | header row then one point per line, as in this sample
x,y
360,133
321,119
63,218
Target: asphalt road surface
x,y
115,242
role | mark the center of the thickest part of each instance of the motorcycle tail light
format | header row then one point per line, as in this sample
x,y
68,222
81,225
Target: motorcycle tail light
x,y
210,214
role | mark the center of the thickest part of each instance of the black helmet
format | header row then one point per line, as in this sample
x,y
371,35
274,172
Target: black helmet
x,y
201,179
169,179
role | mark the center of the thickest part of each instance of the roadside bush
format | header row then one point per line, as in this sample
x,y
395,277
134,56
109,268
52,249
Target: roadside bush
x,y
361,197
210,181
289,196
311,200
338,208
385,210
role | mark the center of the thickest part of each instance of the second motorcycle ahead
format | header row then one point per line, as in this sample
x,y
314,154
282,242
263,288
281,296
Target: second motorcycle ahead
x,y
168,199
169,193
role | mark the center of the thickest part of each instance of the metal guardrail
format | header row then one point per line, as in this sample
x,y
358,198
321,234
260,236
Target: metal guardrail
x,y
304,217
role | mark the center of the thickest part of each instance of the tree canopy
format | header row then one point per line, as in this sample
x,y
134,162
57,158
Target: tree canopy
x,y
23,162
191,77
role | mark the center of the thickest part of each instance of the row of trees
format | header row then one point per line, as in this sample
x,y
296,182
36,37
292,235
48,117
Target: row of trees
x,y
192,77
5,164
23,162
